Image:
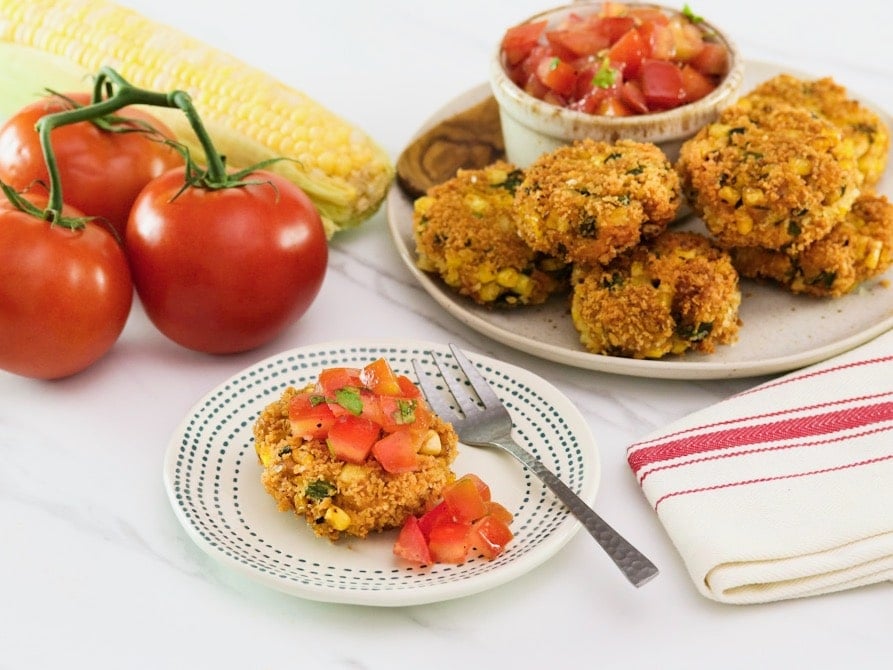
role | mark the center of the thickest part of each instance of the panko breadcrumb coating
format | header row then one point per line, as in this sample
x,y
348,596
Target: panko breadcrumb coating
x,y
861,127
465,232
678,293
303,476
589,201
859,248
772,176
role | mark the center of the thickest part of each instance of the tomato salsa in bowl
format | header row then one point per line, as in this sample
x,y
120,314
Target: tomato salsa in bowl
x,y
608,71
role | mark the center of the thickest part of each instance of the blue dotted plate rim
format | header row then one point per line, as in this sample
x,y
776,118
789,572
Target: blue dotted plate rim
x,y
212,479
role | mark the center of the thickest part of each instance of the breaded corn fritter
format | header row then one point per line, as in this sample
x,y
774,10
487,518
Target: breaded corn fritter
x,y
589,201
776,177
861,127
858,248
304,477
465,232
678,293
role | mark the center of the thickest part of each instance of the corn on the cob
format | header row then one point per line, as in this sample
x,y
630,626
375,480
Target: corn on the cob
x,y
250,115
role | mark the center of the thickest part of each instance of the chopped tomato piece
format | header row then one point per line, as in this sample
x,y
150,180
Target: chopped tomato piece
x,y
411,544
398,451
399,413
449,542
687,38
499,511
433,517
578,41
695,84
615,27
482,486
613,106
657,41
408,389
648,15
463,498
632,96
379,378
627,53
519,40
712,59
662,84
310,416
332,379
351,438
557,75
490,535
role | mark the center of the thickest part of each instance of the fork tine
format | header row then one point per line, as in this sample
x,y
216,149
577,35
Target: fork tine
x,y
480,385
460,393
432,394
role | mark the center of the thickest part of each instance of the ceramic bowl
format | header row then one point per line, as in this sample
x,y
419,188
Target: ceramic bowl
x,y
531,126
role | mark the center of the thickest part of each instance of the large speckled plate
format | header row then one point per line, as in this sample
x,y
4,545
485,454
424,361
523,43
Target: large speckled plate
x,y
212,478
780,331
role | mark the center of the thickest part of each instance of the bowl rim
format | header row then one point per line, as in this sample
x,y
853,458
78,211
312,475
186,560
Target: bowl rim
x,y
542,115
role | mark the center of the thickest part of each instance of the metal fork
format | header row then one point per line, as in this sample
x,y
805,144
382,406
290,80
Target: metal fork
x,y
490,425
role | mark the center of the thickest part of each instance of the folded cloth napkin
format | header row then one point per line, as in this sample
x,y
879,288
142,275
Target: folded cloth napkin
x,y
785,490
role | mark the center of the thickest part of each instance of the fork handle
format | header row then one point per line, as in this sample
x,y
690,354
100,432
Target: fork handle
x,y
634,565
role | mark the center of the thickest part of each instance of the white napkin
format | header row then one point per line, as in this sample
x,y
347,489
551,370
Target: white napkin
x,y
785,490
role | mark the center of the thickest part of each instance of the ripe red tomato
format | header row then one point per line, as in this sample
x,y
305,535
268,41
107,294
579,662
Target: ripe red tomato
x,y
65,294
101,172
223,271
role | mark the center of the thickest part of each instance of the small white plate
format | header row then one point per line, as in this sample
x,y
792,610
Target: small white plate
x,y
212,477
780,331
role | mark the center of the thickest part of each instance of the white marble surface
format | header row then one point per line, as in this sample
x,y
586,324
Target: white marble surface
x,y
95,571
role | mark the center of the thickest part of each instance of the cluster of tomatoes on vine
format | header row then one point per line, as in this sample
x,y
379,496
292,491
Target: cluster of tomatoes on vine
x,y
100,202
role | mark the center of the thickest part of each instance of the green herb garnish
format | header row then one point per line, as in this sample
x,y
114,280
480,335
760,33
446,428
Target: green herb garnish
x,y
405,411
690,15
695,333
606,75
349,398
319,489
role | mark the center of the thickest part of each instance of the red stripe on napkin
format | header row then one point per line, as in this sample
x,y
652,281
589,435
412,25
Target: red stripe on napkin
x,y
746,452
807,426
815,373
761,480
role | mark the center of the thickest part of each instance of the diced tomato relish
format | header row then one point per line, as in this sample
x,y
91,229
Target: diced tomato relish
x,y
622,61
464,524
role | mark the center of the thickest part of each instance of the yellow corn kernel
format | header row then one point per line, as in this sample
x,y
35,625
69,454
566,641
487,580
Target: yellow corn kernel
x,y
524,286
496,176
718,130
350,473
265,455
729,194
431,445
485,274
250,115
754,196
337,518
873,255
507,277
300,502
423,204
743,222
489,292
800,166
476,204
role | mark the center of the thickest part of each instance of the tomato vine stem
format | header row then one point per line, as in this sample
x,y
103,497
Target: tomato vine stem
x,y
111,92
